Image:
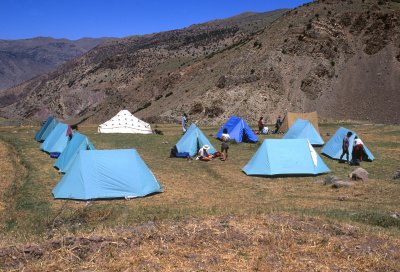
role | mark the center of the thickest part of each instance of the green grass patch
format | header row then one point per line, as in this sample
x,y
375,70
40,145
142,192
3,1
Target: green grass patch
x,y
203,189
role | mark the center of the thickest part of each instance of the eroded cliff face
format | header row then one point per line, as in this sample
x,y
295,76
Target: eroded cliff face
x,y
341,58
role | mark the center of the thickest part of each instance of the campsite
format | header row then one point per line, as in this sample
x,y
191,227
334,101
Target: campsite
x,y
207,199
200,135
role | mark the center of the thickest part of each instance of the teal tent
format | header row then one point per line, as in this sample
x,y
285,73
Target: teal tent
x,y
57,139
303,129
285,157
102,174
238,130
77,143
46,129
333,147
192,141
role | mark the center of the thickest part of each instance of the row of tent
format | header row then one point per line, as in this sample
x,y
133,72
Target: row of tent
x,y
292,155
91,173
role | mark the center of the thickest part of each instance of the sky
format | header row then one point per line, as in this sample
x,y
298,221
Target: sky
x,y
74,19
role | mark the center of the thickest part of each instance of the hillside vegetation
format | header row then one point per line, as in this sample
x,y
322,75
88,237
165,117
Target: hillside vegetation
x,y
340,58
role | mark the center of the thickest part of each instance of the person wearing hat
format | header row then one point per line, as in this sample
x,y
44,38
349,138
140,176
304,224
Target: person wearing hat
x,y
203,153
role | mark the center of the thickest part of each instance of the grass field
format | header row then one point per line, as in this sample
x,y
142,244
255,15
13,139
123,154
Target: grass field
x,y
280,223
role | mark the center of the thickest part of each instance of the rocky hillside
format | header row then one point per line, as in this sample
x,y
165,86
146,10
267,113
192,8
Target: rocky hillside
x,y
341,58
21,60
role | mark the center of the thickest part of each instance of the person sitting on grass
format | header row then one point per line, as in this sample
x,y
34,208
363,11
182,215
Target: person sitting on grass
x,y
203,153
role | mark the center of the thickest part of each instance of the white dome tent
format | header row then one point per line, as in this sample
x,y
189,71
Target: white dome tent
x,y
125,122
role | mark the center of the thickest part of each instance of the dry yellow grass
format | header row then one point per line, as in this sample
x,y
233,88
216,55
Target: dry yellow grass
x,y
210,217
277,242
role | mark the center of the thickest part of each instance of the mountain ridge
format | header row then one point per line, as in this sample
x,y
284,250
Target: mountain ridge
x,y
322,56
23,59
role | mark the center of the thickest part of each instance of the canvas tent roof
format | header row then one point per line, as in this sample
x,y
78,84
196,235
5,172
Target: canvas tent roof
x,y
303,129
285,157
77,143
192,140
333,147
291,117
57,139
46,129
100,174
238,130
125,122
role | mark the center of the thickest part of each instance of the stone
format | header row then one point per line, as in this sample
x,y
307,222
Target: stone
x,y
331,180
359,174
341,183
397,175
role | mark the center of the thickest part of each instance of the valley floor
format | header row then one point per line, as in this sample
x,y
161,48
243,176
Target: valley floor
x,y
210,217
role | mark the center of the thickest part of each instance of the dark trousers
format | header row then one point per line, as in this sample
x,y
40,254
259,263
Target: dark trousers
x,y
345,151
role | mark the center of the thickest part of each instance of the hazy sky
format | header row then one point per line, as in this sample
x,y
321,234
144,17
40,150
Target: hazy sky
x,y
75,19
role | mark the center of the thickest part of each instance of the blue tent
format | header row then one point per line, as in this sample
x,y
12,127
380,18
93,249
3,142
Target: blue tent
x,y
333,147
303,129
192,141
238,130
78,142
45,130
286,157
100,174
57,139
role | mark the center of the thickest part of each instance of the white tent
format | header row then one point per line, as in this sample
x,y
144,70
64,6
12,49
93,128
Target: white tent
x,y
125,122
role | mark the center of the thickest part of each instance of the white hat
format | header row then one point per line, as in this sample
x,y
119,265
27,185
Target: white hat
x,y
206,147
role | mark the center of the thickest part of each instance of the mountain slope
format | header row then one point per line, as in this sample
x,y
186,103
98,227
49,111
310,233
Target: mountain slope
x,y
21,60
117,68
341,58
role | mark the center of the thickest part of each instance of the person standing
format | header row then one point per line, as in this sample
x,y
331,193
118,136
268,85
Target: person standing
x,y
225,144
260,125
345,146
278,124
184,122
